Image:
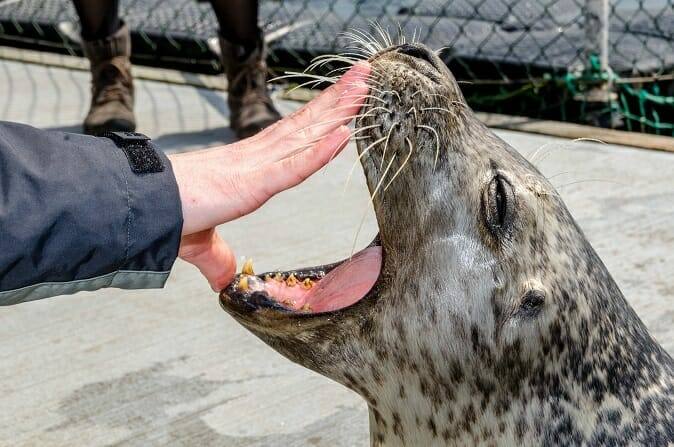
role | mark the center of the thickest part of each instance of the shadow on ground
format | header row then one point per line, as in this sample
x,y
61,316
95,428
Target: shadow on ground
x,y
137,400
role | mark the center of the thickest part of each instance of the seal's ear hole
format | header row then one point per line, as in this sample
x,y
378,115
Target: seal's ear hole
x,y
531,303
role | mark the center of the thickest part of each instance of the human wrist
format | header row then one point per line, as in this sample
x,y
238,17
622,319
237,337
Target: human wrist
x,y
199,189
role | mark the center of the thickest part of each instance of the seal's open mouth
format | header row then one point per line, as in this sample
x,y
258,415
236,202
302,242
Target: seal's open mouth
x,y
319,289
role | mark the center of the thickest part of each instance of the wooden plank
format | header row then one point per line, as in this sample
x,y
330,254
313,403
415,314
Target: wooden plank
x,y
573,131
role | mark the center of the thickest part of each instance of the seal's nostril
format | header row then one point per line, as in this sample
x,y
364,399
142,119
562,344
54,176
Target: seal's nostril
x,y
416,51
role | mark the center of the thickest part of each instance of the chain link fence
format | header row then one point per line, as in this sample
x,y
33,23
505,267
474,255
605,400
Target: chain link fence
x,y
604,62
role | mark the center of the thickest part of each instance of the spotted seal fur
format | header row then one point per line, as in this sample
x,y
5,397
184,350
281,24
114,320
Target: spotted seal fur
x,y
481,314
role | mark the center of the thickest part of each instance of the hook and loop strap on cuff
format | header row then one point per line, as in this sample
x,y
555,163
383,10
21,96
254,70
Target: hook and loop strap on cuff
x,y
139,150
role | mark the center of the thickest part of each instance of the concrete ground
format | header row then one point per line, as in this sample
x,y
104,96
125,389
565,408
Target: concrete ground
x,y
169,367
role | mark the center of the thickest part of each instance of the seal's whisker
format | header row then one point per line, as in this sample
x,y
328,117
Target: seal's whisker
x,y
360,157
323,123
365,40
414,34
294,74
437,142
371,201
345,54
373,39
437,109
366,96
362,51
318,64
558,174
379,30
592,180
372,109
401,35
361,129
312,84
313,141
359,36
404,163
347,58
359,43
388,136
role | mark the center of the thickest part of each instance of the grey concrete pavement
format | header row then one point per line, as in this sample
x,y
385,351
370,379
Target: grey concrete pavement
x,y
169,367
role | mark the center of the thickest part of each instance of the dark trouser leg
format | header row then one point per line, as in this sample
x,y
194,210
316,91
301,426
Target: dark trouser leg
x,y
98,18
243,56
238,21
107,44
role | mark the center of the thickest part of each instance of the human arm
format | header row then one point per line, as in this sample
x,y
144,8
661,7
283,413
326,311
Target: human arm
x,y
73,215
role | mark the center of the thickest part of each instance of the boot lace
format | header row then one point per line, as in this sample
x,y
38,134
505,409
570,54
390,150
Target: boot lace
x,y
113,85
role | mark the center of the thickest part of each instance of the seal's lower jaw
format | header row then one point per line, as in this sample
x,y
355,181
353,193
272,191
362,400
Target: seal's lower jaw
x,y
309,291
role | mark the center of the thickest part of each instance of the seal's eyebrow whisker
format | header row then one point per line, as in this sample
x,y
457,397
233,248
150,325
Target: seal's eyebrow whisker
x,y
402,166
437,141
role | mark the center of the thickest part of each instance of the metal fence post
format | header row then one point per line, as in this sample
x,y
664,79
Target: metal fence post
x,y
596,31
600,90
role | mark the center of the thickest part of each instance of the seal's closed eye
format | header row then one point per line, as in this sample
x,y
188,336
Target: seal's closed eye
x,y
498,205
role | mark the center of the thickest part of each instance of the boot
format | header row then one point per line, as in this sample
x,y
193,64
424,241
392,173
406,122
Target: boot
x,y
111,84
251,108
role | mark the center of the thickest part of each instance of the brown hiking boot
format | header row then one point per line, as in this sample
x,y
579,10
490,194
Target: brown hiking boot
x,y
111,84
251,108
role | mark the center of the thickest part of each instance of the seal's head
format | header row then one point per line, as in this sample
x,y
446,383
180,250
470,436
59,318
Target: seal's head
x,y
480,312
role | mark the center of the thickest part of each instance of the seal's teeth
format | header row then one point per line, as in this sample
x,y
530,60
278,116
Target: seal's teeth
x,y
306,307
267,277
243,283
247,268
291,281
307,283
278,277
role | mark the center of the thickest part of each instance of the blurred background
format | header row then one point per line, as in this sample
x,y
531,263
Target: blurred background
x,y
608,63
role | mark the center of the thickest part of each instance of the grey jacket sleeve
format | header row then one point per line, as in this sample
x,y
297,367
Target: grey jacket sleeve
x,y
74,216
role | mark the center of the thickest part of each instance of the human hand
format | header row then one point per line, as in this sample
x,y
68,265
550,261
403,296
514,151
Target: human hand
x,y
223,183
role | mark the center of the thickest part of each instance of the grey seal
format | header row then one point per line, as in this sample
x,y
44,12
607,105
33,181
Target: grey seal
x,y
480,314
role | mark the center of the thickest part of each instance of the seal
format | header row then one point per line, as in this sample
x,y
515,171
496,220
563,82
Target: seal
x,y
480,314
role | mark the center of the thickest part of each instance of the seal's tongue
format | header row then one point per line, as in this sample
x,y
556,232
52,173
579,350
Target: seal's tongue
x,y
341,287
347,283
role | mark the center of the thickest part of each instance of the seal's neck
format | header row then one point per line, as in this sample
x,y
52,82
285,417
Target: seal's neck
x,y
604,364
